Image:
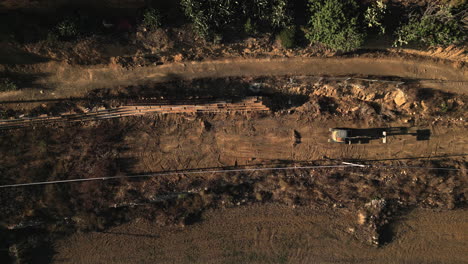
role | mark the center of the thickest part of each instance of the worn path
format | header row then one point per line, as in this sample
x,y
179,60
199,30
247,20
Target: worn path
x,y
60,80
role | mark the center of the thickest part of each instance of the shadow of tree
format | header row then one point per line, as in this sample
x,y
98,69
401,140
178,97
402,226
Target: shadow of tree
x,y
11,55
27,80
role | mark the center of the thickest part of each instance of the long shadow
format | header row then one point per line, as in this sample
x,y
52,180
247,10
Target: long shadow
x,y
392,78
178,91
34,245
177,88
127,234
366,135
127,163
25,80
10,55
415,158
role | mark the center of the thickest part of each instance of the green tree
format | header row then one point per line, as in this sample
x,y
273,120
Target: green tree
x,y
438,25
273,12
210,17
334,23
374,15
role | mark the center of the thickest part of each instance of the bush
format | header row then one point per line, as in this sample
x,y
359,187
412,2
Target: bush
x,y
287,37
249,27
209,16
214,16
7,85
151,19
279,16
439,25
375,14
68,28
273,13
334,23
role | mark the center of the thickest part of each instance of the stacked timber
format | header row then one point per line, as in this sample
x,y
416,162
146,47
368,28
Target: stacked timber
x,y
248,104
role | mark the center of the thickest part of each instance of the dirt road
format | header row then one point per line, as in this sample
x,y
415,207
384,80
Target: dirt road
x,y
60,80
272,234
247,140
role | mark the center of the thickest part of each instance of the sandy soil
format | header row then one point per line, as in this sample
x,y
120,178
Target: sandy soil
x,y
272,234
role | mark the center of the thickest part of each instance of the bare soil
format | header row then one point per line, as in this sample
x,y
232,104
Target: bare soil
x,y
58,81
393,211
272,234
294,134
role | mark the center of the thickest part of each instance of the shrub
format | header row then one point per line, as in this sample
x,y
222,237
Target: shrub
x,y
439,25
249,27
279,16
213,16
209,16
287,37
335,24
7,85
217,38
51,38
151,18
67,28
374,15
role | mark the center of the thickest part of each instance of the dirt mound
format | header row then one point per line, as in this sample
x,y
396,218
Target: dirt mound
x,y
454,53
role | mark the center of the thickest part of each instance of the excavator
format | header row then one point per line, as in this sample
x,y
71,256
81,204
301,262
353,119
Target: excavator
x,y
358,136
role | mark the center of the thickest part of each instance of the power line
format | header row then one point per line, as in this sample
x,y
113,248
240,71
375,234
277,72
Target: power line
x,y
169,173
347,165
